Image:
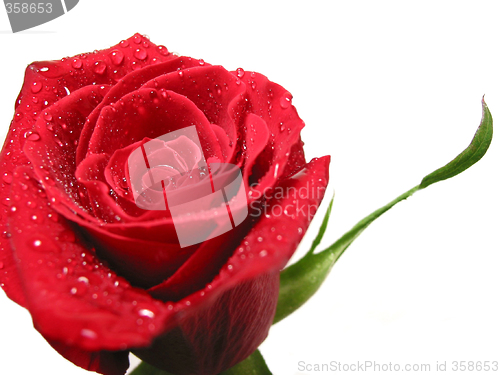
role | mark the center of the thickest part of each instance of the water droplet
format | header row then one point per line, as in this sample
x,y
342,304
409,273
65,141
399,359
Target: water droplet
x,y
7,178
37,218
99,67
286,100
36,87
147,313
47,116
140,54
88,333
240,72
279,237
263,253
116,57
162,50
1,265
282,127
123,43
36,243
77,63
137,39
260,239
181,74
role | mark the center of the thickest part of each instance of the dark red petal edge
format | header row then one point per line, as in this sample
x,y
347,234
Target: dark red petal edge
x,y
103,362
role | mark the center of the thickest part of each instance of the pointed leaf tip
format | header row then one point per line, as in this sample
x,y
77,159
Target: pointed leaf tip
x,y
471,155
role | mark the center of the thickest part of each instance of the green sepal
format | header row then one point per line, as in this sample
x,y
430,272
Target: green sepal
x,y
253,365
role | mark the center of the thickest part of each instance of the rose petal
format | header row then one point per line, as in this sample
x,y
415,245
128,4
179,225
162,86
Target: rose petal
x,y
268,245
75,299
224,331
224,142
45,83
127,84
106,204
214,90
256,138
107,363
149,113
52,152
272,103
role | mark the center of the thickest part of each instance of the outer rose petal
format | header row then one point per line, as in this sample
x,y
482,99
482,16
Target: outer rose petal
x,y
224,332
44,84
73,298
108,363
272,103
61,294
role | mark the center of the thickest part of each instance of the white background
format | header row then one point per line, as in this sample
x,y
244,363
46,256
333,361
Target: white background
x,y
392,91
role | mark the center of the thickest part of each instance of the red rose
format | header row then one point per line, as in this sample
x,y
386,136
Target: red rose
x,y
102,276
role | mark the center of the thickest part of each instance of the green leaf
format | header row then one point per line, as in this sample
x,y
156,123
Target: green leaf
x,y
253,365
147,369
469,156
301,280
322,229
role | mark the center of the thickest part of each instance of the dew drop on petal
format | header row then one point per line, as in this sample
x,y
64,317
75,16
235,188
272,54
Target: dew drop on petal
x,y
36,244
7,178
99,67
36,87
240,72
146,313
286,100
88,333
116,57
140,54
77,63
162,50
124,43
137,39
